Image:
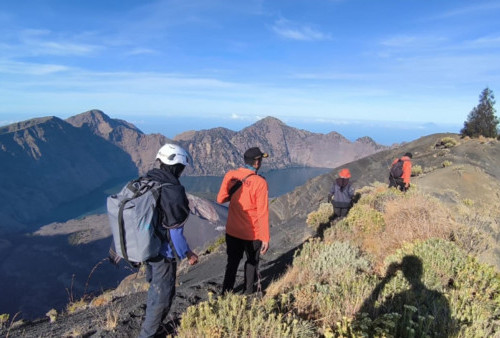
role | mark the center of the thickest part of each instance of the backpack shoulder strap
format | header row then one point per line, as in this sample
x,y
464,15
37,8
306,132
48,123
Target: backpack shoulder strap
x,y
238,184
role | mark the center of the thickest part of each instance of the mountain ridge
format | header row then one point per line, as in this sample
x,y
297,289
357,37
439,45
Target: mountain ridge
x,y
85,151
50,162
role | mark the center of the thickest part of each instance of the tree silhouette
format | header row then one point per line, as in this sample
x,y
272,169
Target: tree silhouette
x,y
482,120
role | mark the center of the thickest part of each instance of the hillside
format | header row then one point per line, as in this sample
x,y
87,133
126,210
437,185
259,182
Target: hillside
x,y
63,261
217,150
141,147
339,284
47,162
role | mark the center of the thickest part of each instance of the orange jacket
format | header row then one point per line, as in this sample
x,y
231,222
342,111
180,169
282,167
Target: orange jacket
x,y
248,216
406,168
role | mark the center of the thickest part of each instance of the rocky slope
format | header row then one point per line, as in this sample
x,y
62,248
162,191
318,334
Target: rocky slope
x,y
217,150
67,261
141,147
468,172
47,162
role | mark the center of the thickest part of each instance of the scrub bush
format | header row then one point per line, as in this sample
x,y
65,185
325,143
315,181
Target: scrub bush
x,y
238,316
416,170
331,280
446,163
448,142
320,216
364,218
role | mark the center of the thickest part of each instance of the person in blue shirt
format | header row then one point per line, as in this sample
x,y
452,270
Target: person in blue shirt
x,y
174,204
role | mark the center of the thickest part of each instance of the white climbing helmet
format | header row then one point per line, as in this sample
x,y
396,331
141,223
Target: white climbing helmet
x,y
171,154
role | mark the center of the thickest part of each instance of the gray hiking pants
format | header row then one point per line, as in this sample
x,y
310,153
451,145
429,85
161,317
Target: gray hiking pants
x,y
160,273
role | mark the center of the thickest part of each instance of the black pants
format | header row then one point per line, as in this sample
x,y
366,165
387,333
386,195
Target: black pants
x,y
340,212
235,249
397,183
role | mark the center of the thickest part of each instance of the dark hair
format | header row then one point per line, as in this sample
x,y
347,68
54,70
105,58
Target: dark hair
x,y
409,155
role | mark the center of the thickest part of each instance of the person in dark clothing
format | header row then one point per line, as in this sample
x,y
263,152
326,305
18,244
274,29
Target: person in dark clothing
x,y
401,180
161,270
342,193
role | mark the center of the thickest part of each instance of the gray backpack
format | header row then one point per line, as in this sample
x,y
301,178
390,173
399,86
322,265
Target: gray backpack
x,y
135,220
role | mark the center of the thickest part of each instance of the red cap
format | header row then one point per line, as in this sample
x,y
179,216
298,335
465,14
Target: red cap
x,y
345,173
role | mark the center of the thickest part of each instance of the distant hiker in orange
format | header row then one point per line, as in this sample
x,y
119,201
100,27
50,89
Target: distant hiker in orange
x,y
342,193
400,173
247,227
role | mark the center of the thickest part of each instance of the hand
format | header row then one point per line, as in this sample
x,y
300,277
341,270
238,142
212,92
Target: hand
x,y
192,258
264,247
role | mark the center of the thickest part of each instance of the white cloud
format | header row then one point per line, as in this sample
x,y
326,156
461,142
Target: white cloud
x,y
467,11
42,42
6,122
413,41
12,67
292,31
141,51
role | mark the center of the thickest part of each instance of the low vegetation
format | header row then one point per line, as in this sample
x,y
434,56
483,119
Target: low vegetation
x,y
416,170
448,142
237,316
399,265
446,163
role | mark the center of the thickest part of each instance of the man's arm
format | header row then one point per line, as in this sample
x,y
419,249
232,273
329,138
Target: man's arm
x,y
406,172
223,195
181,245
262,205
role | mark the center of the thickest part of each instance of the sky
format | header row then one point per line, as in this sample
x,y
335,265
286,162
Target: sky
x,y
321,65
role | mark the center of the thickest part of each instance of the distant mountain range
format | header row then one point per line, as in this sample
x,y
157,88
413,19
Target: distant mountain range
x,y
48,162
217,150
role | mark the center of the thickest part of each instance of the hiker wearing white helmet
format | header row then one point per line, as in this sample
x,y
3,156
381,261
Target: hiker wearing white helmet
x,y
161,270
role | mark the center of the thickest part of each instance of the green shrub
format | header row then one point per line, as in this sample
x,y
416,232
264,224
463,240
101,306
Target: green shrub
x,y
331,279
237,316
216,244
446,163
330,261
448,142
416,170
365,218
468,202
438,291
320,216
4,319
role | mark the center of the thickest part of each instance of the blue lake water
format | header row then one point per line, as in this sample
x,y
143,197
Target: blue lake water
x,y
279,182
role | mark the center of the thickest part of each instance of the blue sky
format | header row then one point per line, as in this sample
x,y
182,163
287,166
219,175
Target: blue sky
x,y
330,63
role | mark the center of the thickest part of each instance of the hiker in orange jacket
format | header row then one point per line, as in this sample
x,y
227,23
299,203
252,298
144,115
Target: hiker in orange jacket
x,y
247,227
400,178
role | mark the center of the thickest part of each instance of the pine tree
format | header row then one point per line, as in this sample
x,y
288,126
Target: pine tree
x,y
482,120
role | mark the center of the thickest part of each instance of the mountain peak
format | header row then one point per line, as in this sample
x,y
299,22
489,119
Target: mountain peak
x,y
99,123
270,120
14,127
92,117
